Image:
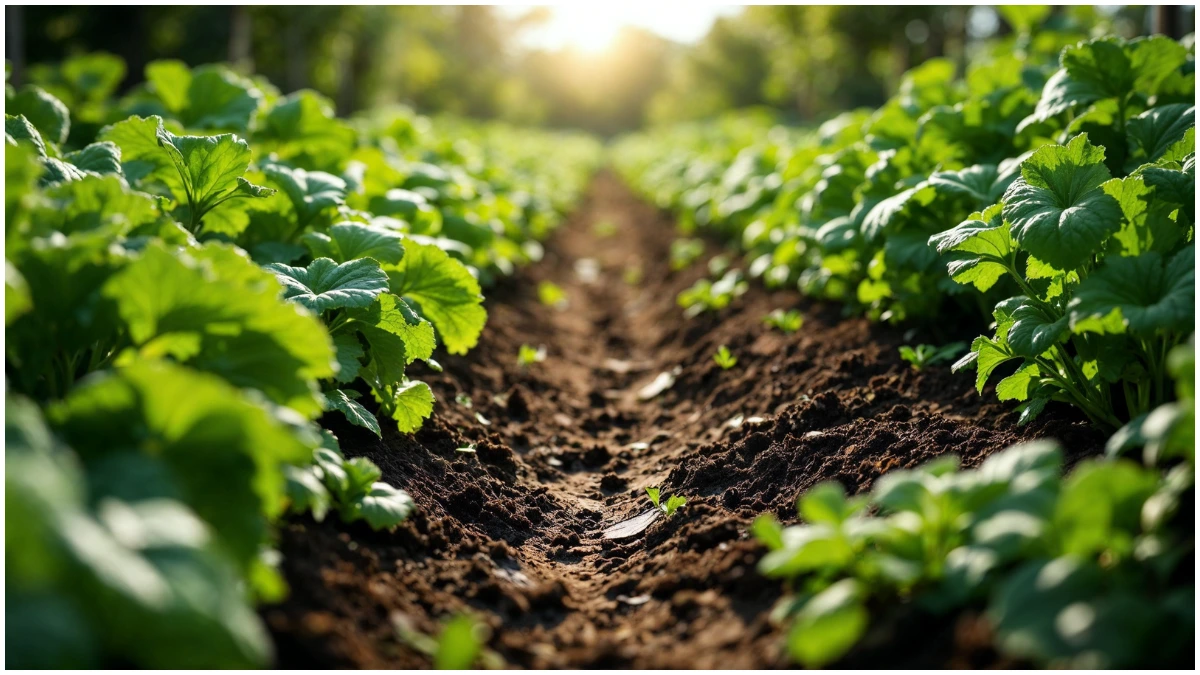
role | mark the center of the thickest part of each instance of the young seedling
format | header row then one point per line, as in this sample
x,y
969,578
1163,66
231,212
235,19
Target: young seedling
x,y
684,252
670,506
551,295
725,358
926,355
528,355
789,322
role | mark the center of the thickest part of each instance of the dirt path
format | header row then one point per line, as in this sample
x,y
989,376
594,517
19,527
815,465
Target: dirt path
x,y
565,447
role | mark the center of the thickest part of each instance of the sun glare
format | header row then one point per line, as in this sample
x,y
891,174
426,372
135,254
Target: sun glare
x,y
592,27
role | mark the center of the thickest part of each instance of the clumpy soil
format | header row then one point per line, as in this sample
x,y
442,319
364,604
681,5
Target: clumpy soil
x,y
565,447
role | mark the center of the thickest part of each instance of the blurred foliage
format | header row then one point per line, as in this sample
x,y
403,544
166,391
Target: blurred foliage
x,y
804,61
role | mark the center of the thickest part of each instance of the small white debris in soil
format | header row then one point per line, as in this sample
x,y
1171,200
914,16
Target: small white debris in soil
x,y
635,600
663,382
632,527
483,420
466,448
755,420
617,366
588,270
814,434
638,446
735,421
554,461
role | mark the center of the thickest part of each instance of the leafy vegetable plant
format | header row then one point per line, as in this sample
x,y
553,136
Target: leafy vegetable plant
x,y
788,321
668,507
927,355
725,358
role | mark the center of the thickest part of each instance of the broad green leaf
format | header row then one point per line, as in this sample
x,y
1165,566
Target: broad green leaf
x,y
326,285
102,205
170,79
444,291
1034,329
1057,209
828,625
827,503
1155,131
17,129
103,157
141,157
459,645
46,113
991,352
886,212
309,191
306,492
219,99
336,399
1146,293
983,182
211,168
977,249
225,452
1101,505
1019,385
16,293
384,507
347,241
1147,224
1024,18
349,355
412,404
303,124
247,333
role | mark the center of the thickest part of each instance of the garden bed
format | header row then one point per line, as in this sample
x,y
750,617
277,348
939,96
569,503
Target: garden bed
x,y
564,447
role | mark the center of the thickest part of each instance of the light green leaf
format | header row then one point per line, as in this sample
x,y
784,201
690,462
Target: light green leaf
x,y
170,79
141,157
349,355
306,492
828,625
1147,294
46,113
103,157
326,285
309,191
977,249
219,99
1057,209
1147,224
347,241
384,507
444,291
211,168
413,403
16,293
17,129
248,335
1019,385
303,124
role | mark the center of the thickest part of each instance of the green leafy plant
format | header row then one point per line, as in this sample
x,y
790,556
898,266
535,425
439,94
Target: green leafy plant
x,y
668,507
711,296
926,355
724,358
684,252
174,330
788,321
552,295
527,355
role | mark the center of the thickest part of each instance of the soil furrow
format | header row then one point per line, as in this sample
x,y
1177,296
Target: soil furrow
x,y
565,447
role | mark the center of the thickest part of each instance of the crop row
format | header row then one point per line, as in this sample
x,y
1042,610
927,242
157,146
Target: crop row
x,y
1049,192
195,272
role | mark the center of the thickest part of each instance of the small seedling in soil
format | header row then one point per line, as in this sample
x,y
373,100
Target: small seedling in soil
x,y
789,322
684,252
927,355
551,295
463,400
604,228
670,506
725,358
461,644
632,275
718,264
469,449
528,356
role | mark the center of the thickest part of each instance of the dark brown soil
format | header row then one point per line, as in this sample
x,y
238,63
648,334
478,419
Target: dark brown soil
x,y
565,448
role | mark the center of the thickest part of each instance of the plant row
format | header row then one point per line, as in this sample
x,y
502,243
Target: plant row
x,y
1054,198
1050,192
195,272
